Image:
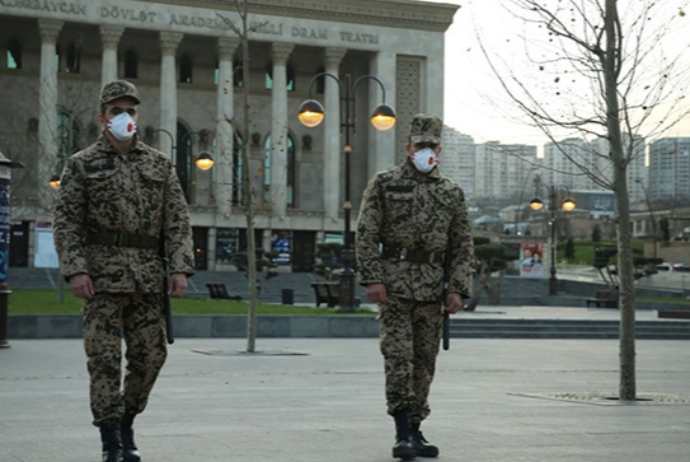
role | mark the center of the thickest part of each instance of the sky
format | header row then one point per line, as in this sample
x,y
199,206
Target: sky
x,y
474,101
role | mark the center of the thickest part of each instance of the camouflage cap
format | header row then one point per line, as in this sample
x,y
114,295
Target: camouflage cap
x,y
118,89
426,128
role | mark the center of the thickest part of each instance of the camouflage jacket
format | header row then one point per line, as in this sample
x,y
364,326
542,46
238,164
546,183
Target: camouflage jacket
x,y
406,209
103,191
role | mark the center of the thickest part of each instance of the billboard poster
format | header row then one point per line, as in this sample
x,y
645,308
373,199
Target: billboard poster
x,y
45,255
281,243
531,259
227,243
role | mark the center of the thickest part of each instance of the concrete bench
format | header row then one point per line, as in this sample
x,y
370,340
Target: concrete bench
x,y
674,314
327,292
218,291
604,299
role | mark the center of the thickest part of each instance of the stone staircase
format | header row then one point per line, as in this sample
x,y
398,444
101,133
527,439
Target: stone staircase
x,y
33,278
516,292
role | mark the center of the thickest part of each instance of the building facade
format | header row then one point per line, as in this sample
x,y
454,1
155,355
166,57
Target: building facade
x,y
184,56
504,171
669,169
457,159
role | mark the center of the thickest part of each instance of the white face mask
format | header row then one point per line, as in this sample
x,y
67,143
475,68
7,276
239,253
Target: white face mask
x,y
425,160
122,127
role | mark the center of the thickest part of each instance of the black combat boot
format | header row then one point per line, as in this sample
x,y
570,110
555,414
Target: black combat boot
x,y
421,446
403,444
112,444
129,449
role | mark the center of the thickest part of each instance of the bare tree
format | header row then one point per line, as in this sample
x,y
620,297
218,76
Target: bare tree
x,y
250,192
595,70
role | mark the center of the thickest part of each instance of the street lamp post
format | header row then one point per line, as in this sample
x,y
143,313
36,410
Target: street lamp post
x,y
311,114
651,214
519,205
568,204
204,160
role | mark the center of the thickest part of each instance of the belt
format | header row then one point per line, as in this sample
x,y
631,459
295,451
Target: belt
x,y
137,241
412,255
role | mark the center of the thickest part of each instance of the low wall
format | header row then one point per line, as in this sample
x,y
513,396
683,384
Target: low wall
x,y
210,326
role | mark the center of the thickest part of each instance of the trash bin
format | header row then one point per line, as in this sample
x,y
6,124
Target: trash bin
x,y
287,296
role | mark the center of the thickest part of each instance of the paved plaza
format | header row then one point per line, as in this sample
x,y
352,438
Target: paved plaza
x,y
316,400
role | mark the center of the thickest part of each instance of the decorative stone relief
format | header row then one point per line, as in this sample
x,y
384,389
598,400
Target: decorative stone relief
x,y
205,136
306,143
407,97
256,140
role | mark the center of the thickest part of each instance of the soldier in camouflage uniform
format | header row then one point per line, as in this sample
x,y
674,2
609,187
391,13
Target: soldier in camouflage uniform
x,y
117,199
409,215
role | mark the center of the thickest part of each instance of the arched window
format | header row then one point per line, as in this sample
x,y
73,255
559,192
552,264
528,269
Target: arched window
x,y
131,65
58,58
63,134
320,84
237,170
267,170
290,77
183,154
186,69
68,138
290,171
238,74
73,59
14,55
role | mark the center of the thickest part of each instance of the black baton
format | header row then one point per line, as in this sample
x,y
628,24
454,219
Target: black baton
x,y
446,331
166,296
446,285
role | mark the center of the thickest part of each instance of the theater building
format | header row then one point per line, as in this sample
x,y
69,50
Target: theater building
x,y
184,57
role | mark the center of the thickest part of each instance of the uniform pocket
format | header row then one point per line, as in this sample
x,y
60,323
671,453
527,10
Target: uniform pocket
x,y
103,185
152,184
398,206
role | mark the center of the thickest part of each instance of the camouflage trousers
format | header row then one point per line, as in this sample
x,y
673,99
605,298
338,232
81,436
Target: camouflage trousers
x,y
409,340
107,318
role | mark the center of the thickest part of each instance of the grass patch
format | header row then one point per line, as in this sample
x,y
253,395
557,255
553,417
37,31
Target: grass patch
x,y
45,301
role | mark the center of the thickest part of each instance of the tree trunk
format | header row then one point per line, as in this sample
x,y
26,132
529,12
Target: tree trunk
x,y
248,192
611,67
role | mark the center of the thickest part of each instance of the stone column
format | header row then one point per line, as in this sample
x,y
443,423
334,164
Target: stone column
x,y
332,148
169,43
110,37
382,144
224,130
279,128
47,111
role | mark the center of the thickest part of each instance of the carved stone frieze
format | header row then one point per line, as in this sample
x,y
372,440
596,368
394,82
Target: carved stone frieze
x,y
410,14
305,213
